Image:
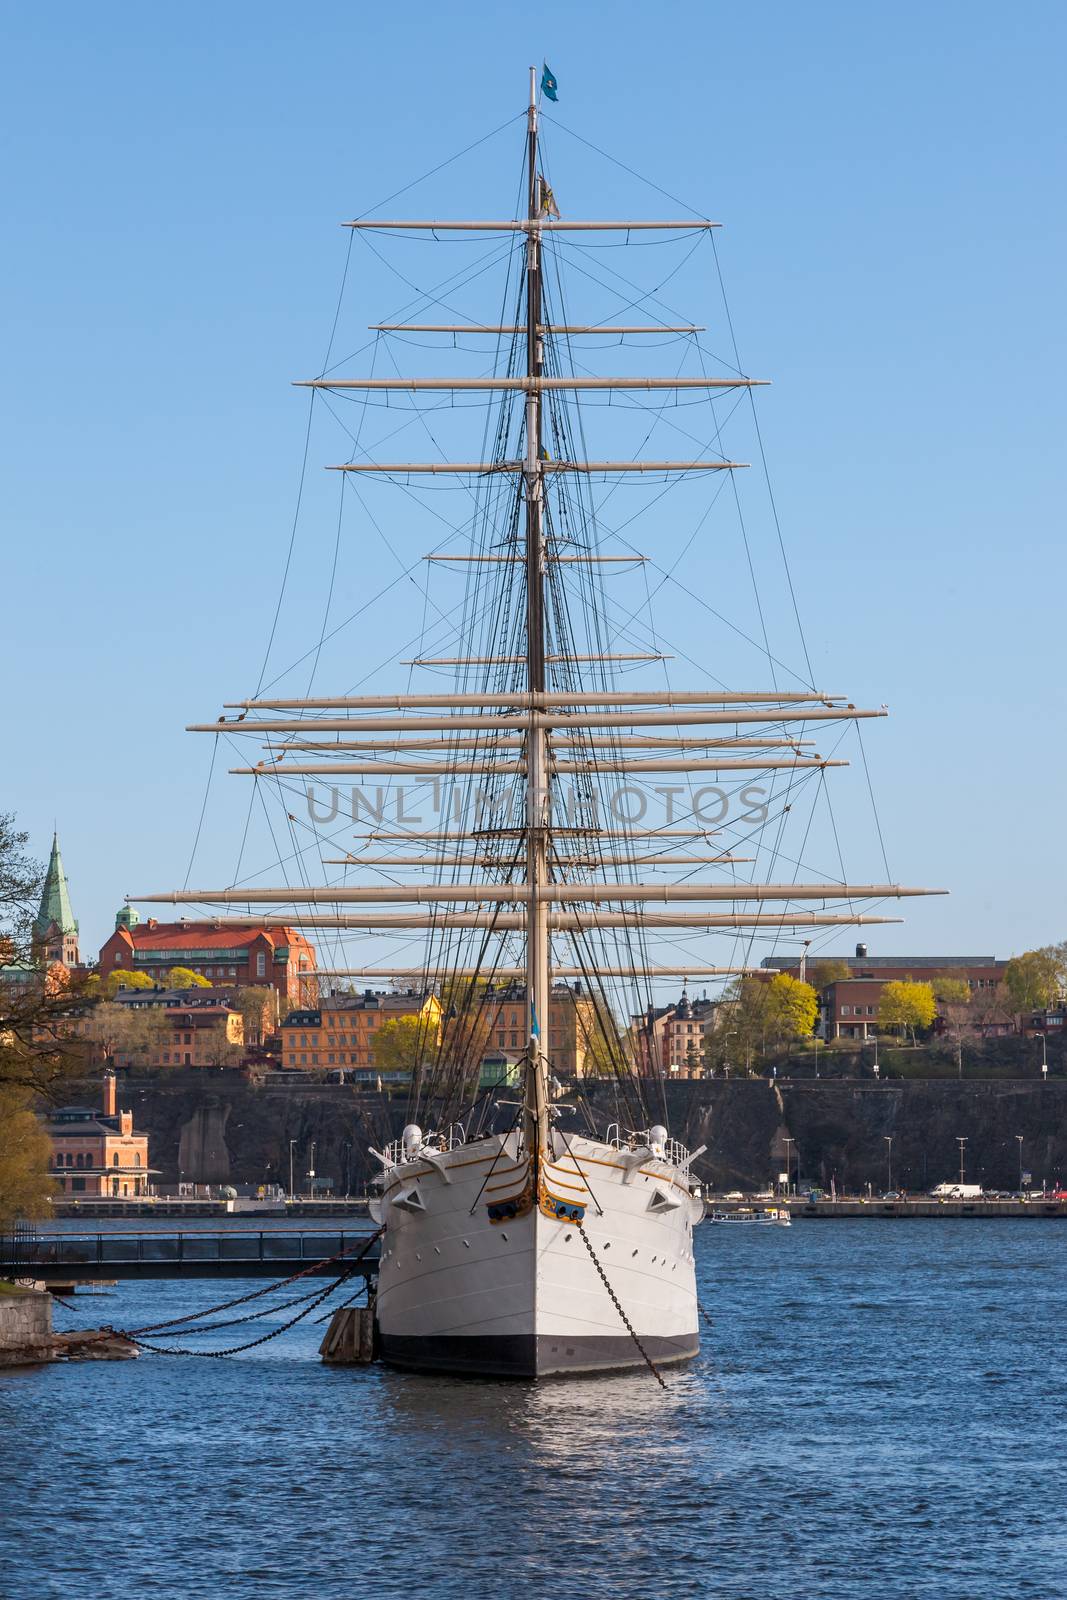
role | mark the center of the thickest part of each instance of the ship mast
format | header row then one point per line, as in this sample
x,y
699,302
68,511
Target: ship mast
x,y
538,801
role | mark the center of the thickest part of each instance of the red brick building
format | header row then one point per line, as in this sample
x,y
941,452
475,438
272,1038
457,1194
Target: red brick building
x,y
235,957
848,1008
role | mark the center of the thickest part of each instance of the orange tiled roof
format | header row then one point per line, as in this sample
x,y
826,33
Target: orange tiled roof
x,y
186,936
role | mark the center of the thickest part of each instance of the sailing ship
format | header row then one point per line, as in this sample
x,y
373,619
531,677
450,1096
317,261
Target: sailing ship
x,y
514,1243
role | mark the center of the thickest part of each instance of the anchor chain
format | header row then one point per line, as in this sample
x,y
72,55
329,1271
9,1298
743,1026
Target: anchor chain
x,y
627,1324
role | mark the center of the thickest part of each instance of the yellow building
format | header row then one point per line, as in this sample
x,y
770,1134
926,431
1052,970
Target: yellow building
x,y
341,1030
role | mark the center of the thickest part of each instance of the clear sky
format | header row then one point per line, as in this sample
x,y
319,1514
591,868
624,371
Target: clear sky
x,y
891,183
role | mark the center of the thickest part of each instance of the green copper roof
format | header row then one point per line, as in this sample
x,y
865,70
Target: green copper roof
x,y
55,898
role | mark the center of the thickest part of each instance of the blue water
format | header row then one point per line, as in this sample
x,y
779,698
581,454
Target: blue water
x,y
878,1412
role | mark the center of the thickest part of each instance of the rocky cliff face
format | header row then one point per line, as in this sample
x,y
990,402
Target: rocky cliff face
x,y
221,1130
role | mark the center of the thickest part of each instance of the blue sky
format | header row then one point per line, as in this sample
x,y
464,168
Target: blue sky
x,y
890,180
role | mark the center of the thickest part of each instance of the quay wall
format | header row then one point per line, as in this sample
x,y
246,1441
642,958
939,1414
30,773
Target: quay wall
x,y
220,1128
25,1327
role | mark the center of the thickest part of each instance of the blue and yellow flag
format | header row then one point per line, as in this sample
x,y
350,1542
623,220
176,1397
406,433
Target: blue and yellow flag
x,y
548,84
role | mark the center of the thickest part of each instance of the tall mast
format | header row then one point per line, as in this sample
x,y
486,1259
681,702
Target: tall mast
x,y
537,795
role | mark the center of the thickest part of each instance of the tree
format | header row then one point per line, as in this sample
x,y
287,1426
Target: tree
x,y
794,1006
401,1044
1034,979
906,1004
763,1012
36,1052
130,1035
25,1154
258,1005
21,881
606,1053
821,974
952,991
220,1049
118,978
186,978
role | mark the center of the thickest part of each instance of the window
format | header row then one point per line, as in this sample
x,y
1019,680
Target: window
x,y
846,1011
303,1057
114,1159
77,1185
137,1158
261,965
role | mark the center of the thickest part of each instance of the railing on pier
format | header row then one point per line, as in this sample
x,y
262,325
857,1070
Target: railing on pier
x,y
85,1257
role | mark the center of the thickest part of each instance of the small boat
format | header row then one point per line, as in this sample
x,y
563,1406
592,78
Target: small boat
x,y
768,1215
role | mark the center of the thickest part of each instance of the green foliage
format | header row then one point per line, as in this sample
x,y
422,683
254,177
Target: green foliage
x,y
906,1004
401,1043
952,991
25,1151
258,1005
795,1006
107,988
767,1014
186,978
822,973
1034,979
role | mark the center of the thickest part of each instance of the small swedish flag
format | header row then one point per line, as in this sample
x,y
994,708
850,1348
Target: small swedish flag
x,y
548,84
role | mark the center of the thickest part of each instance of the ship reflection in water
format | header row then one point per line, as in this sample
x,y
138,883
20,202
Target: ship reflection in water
x,y
875,1410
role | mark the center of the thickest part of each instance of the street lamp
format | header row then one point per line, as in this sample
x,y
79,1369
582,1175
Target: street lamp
x,y
788,1142
730,1032
888,1137
876,1067
961,1142
816,1055
1044,1056
1019,1142
292,1146
311,1172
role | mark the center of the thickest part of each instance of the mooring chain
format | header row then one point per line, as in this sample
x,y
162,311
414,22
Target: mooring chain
x,y
272,1333
627,1324
313,1304
256,1294
249,1316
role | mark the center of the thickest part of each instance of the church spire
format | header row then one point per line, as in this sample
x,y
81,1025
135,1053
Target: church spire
x,y
55,927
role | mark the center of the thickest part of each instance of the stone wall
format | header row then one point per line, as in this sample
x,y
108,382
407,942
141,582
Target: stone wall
x,y
25,1327
222,1129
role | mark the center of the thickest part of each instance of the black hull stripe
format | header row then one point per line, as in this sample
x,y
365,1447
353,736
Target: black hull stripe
x,y
528,1355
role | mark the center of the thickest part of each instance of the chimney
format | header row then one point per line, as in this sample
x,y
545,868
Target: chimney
x,y
861,952
110,1095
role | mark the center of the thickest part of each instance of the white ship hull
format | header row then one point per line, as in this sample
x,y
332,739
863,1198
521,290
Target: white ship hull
x,y
520,1296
